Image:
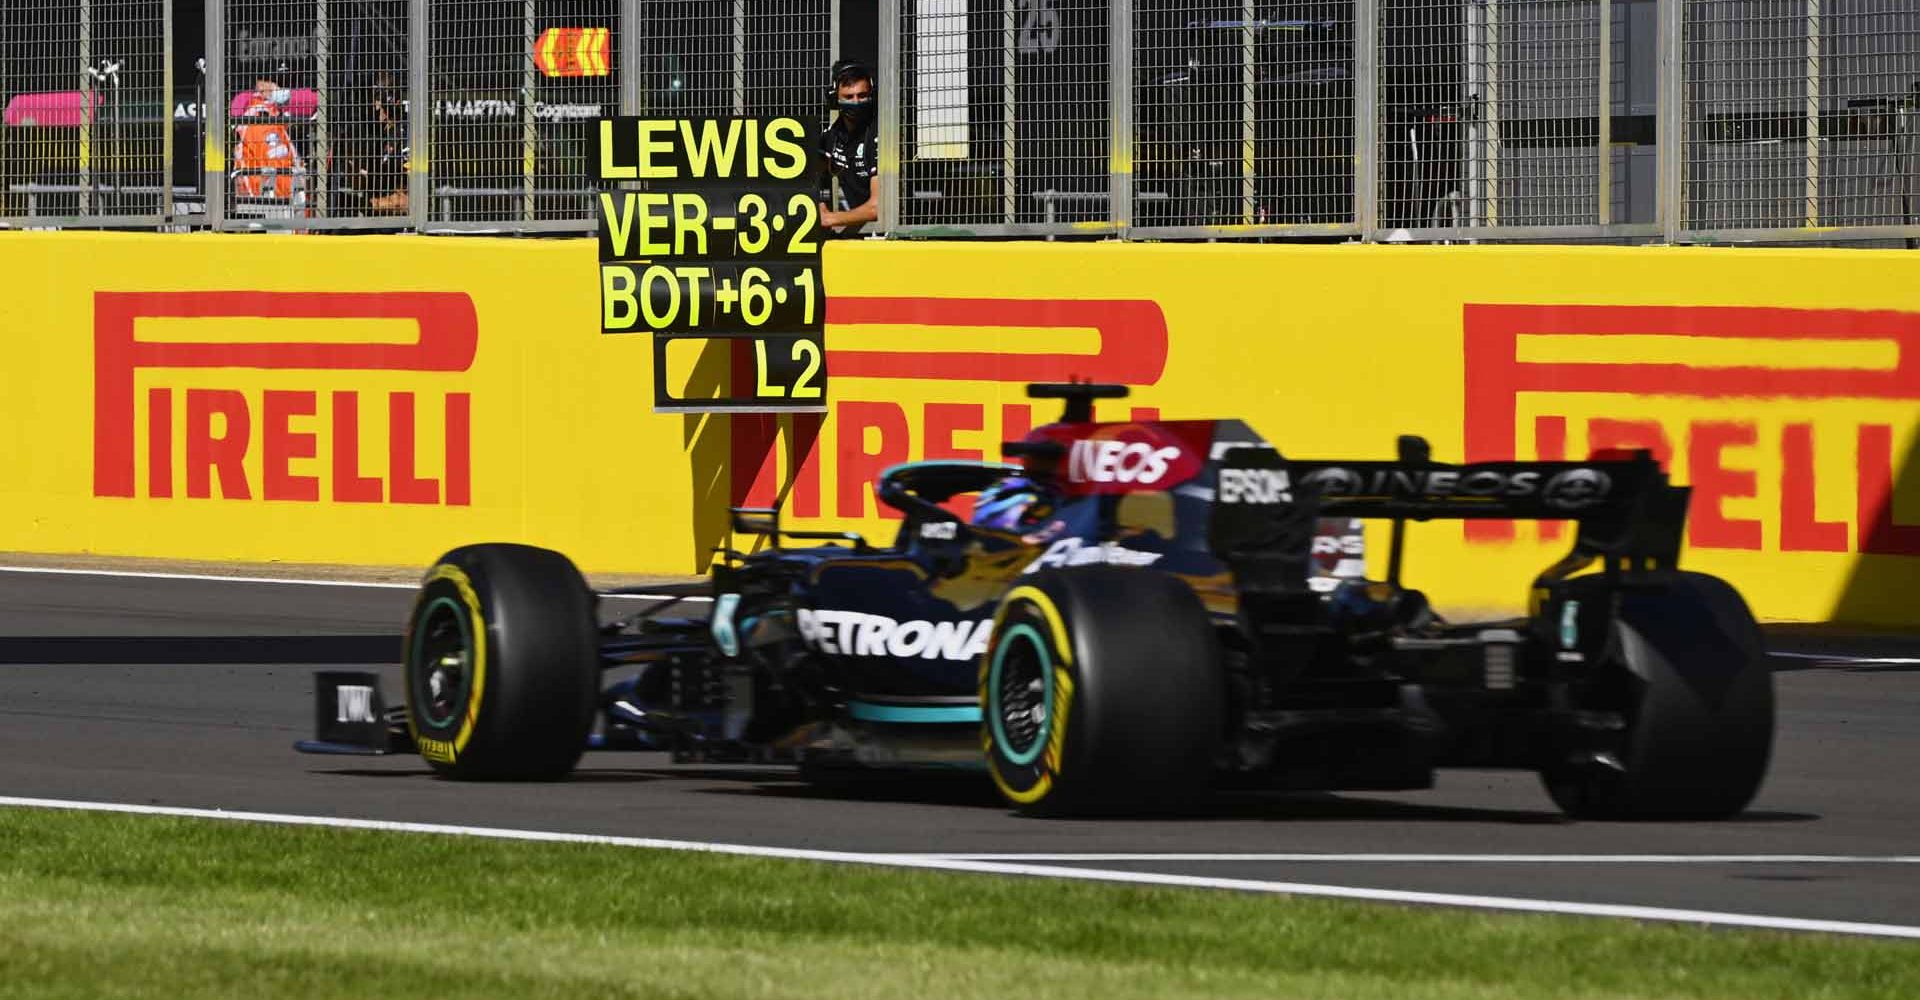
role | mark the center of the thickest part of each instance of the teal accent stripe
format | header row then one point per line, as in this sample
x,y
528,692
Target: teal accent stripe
x,y
868,712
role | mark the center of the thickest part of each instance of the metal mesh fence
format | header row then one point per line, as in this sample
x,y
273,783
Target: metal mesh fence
x,y
315,102
1746,98
1869,162
270,92
87,115
955,114
1243,114
687,52
1800,113
1005,116
1491,113
1547,164
514,89
1497,119
786,50
731,57
1060,93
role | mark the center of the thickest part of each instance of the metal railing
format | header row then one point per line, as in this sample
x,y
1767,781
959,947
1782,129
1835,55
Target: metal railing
x,y
1387,120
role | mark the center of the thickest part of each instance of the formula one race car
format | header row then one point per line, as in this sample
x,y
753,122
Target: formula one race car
x,y
1125,620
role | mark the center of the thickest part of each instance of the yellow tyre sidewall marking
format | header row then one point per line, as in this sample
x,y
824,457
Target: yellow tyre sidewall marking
x,y
1055,754
478,633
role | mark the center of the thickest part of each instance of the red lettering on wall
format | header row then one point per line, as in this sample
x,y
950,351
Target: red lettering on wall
x,y
1496,376
754,473
943,420
1016,421
349,486
1879,532
448,335
160,442
402,485
280,444
225,453
1799,531
859,468
459,443
756,443
803,456
1713,482
1604,434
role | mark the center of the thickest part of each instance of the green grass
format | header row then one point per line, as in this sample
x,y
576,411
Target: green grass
x,y
107,906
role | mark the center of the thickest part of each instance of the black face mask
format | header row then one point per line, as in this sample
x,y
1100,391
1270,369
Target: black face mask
x,y
856,111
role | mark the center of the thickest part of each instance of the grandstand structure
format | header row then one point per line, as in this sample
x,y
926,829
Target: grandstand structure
x,y
1753,121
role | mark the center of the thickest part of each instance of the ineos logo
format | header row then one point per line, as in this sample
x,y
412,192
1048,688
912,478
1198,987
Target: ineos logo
x,y
1576,489
1119,462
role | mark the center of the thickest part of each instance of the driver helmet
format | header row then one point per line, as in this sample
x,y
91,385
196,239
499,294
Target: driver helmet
x,y
1011,504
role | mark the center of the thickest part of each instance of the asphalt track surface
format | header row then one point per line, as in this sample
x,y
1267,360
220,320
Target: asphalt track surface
x,y
190,693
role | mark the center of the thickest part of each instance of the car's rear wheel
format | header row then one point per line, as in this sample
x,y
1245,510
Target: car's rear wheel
x,y
1695,693
501,664
1101,692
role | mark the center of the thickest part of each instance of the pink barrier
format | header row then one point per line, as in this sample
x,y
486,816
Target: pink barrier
x,y
62,108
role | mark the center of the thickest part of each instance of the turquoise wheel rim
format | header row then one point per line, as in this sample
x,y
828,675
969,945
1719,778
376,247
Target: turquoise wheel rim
x,y
436,611
1022,746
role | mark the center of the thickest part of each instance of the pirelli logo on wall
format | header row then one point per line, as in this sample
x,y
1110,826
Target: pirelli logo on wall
x,y
1787,423
310,397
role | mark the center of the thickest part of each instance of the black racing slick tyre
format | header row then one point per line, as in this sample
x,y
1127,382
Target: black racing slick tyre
x,y
1101,692
502,664
1693,686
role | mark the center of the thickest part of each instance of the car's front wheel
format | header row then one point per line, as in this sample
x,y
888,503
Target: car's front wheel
x,y
502,664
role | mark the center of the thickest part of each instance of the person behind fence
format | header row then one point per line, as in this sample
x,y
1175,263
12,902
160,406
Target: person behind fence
x,y
379,149
264,158
851,148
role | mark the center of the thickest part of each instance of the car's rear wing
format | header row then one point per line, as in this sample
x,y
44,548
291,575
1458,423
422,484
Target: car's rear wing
x,y
1266,504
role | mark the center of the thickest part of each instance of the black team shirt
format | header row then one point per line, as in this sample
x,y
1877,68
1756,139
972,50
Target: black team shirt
x,y
853,155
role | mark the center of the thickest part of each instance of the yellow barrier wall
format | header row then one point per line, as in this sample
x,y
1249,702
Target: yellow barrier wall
x,y
355,400
377,400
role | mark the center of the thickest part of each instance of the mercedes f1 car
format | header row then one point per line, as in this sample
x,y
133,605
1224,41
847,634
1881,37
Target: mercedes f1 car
x,y
1132,615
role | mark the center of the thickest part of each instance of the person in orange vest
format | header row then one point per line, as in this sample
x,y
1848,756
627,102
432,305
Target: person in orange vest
x,y
264,157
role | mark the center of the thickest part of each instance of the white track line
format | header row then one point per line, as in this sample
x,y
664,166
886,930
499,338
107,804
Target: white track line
x,y
1446,859
294,581
1842,658
1655,913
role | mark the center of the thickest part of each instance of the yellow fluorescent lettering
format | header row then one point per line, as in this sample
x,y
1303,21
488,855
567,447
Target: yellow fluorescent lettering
x,y
689,219
660,312
618,222
609,170
618,309
763,388
709,146
786,152
692,276
651,145
654,219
